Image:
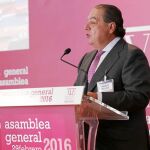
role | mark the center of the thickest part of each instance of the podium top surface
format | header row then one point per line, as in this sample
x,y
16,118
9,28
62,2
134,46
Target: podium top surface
x,y
93,108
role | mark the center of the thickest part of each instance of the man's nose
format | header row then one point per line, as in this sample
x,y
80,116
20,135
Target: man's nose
x,y
87,27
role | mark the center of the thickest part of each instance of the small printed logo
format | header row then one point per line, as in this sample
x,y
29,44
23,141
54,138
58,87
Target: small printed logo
x,y
71,91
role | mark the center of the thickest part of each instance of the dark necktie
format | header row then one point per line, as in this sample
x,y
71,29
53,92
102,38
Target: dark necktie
x,y
94,64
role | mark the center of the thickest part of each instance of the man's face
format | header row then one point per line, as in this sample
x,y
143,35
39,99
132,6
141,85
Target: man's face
x,y
97,31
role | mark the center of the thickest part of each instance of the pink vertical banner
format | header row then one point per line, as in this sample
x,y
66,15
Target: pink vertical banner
x,y
39,128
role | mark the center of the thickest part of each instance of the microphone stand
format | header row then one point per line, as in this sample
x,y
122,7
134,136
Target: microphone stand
x,y
67,51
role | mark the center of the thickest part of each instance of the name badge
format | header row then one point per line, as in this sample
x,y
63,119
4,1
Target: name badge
x,y
106,86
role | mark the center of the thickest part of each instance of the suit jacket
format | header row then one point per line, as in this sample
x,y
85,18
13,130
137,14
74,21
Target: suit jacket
x,y
129,68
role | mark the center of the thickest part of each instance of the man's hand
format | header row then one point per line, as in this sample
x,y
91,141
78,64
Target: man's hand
x,y
92,94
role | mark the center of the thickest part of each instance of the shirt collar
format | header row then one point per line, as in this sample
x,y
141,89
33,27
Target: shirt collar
x,y
109,46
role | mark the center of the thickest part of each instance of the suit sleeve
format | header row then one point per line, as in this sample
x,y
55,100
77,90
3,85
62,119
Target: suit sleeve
x,y
136,84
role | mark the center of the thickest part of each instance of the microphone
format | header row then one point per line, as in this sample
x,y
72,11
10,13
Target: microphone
x,y
67,51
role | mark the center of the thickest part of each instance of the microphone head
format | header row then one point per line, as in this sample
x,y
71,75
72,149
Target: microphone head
x,y
67,51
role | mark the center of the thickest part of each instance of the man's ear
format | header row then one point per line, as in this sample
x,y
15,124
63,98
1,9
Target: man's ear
x,y
112,27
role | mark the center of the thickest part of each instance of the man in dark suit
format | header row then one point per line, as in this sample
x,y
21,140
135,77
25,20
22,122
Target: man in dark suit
x,y
128,67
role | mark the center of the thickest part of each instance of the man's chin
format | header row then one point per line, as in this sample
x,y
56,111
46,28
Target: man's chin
x,y
91,43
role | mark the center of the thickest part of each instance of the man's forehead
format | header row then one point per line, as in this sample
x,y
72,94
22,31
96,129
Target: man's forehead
x,y
95,14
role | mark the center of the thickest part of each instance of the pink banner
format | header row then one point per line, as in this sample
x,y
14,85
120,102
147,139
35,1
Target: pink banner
x,y
36,128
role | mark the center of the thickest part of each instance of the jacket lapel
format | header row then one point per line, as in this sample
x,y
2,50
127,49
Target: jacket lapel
x,y
88,60
106,65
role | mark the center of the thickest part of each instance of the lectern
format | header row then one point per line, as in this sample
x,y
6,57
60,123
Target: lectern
x,y
50,118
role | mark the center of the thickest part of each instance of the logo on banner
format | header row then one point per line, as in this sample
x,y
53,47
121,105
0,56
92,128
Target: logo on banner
x,y
70,95
71,91
139,35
